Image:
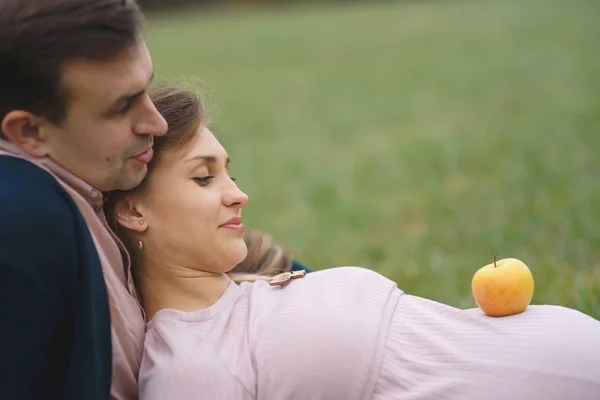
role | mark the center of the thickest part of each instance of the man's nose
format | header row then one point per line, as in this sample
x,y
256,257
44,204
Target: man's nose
x,y
150,121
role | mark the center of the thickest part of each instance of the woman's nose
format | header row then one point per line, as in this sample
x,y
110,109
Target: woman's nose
x,y
235,197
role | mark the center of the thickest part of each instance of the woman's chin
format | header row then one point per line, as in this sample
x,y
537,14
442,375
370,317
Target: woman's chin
x,y
237,254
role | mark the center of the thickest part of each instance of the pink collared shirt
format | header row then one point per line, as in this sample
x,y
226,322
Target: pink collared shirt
x,y
127,316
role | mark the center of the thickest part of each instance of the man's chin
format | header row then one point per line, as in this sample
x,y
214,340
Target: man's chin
x,y
132,179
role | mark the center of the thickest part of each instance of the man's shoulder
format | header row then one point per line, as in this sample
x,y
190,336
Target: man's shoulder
x,y
17,173
41,228
30,196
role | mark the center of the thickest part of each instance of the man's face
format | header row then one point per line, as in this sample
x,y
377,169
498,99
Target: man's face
x,y
108,132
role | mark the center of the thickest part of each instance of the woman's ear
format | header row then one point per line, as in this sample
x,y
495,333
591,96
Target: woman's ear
x,y
128,215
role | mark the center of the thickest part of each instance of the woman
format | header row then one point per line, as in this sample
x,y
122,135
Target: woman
x,y
342,333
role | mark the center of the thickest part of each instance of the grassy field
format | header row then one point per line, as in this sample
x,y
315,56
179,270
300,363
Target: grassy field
x,y
414,138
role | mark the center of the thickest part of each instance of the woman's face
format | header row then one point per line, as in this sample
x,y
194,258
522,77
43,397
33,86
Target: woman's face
x,y
192,208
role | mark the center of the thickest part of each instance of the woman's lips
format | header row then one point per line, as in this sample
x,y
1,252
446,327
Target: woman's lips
x,y
234,224
235,227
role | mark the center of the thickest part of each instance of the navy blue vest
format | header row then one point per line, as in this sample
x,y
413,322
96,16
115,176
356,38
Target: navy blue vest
x,y
55,339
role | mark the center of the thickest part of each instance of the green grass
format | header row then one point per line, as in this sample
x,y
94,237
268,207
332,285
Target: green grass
x,y
417,139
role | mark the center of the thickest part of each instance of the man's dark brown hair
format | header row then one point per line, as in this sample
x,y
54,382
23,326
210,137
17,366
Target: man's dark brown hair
x,y
38,37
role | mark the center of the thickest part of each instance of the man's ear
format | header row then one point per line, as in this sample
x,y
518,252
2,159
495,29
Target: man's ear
x,y
128,215
23,128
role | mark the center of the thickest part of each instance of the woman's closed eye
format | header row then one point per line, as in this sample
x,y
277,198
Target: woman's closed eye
x,y
204,180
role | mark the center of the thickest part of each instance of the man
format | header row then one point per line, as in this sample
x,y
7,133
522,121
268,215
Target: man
x,y
76,121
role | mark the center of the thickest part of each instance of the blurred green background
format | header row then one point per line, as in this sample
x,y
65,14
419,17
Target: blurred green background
x,y
417,139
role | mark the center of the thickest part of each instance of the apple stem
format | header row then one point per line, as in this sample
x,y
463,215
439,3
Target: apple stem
x,y
495,266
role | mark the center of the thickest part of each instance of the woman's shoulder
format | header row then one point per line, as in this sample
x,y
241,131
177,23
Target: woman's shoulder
x,y
346,278
351,272
321,291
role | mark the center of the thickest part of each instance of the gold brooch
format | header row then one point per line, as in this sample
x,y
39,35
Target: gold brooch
x,y
286,277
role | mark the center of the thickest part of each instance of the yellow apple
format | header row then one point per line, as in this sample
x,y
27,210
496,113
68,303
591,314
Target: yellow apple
x,y
502,288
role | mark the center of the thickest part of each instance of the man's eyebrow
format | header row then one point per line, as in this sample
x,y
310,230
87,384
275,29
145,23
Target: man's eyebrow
x,y
208,159
131,96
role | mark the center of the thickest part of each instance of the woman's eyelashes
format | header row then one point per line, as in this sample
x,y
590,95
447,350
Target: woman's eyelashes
x,y
205,180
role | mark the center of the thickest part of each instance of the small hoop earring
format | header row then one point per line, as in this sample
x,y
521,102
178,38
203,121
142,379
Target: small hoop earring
x,y
140,245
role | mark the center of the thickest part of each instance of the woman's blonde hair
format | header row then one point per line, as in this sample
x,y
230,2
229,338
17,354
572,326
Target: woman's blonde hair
x,y
185,112
265,257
